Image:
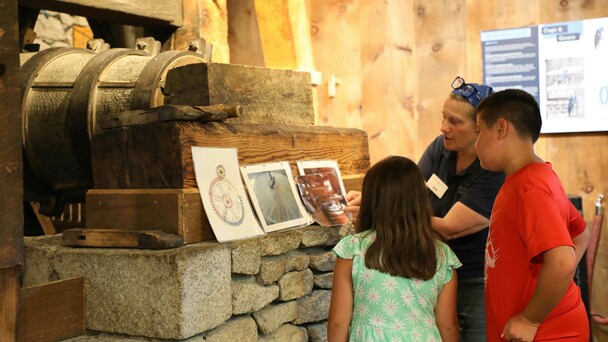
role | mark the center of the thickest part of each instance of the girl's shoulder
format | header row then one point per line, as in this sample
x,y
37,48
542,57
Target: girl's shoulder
x,y
446,256
353,244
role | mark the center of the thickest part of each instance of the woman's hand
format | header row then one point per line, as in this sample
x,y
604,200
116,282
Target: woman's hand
x,y
353,203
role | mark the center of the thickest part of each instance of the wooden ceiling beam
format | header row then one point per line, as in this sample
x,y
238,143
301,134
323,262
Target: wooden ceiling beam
x,y
130,12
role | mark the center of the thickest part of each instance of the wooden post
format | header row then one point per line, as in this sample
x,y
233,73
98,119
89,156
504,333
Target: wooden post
x,y
204,19
11,179
244,34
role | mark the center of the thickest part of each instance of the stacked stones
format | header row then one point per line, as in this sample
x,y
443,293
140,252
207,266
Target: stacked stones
x,y
54,29
273,288
285,283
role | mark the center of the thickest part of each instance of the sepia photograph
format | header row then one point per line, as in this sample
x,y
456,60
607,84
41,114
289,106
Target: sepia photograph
x,y
274,196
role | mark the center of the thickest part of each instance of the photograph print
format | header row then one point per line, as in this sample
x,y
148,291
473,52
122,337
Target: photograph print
x,y
322,191
274,196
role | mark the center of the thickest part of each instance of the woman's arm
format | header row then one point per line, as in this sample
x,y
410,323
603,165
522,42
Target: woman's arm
x,y
460,221
445,311
341,307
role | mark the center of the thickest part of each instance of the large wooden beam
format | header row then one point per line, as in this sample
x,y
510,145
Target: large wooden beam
x,y
206,19
158,155
11,179
266,95
244,34
10,282
270,33
132,12
276,33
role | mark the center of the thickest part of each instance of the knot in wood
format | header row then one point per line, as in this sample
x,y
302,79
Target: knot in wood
x,y
421,11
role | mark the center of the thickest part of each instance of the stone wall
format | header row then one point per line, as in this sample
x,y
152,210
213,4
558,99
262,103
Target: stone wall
x,y
273,288
54,29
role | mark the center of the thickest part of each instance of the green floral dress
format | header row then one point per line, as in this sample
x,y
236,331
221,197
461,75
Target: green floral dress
x,y
393,308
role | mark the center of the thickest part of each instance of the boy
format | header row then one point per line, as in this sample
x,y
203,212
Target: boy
x,y
536,236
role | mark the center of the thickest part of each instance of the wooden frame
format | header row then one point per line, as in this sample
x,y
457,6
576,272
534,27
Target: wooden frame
x,y
133,12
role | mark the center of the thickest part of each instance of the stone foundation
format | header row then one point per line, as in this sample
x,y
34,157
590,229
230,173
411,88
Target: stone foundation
x,y
273,288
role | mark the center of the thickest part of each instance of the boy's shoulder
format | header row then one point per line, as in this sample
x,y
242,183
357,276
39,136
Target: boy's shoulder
x,y
535,178
533,173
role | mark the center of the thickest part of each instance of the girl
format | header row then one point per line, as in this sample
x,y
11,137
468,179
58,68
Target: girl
x,y
394,280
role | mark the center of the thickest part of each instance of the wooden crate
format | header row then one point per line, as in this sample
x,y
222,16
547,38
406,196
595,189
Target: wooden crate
x,y
52,311
175,211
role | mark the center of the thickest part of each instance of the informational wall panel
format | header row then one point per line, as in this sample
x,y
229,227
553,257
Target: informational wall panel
x,y
563,65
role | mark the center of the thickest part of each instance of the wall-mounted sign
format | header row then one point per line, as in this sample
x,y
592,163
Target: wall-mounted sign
x,y
563,65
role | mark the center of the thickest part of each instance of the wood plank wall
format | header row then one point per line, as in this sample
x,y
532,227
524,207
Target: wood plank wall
x,y
394,61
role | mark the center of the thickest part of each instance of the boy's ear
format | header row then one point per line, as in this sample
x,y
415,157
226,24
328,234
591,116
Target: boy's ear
x,y
502,128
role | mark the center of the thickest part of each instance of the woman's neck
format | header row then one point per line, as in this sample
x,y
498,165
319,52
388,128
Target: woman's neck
x,y
464,159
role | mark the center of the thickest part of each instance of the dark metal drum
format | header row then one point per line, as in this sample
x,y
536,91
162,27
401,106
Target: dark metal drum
x,y
66,93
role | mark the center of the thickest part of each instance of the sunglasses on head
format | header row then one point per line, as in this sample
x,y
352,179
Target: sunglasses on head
x,y
466,90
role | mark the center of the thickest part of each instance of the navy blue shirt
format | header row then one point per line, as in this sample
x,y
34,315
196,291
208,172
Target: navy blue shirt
x,y
474,187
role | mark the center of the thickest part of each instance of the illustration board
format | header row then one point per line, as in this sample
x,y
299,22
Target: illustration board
x,y
223,195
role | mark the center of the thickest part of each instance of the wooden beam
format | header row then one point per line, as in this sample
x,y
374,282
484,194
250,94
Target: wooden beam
x,y
11,179
10,282
276,34
132,12
120,238
266,95
158,155
45,222
52,311
299,19
206,19
244,34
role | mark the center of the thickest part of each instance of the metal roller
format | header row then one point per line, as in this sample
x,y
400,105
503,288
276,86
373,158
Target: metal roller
x,y
67,93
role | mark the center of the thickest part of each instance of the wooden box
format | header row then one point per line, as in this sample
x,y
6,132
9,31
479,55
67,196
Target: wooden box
x,y
175,211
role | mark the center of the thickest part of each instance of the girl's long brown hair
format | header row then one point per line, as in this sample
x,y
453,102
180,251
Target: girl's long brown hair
x,y
394,203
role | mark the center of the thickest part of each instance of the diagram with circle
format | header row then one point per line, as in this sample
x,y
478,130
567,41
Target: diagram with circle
x,y
227,204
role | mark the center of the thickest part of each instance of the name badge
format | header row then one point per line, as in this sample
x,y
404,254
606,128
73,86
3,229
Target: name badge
x,y
437,186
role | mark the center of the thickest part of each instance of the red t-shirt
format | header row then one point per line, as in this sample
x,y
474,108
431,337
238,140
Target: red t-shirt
x,y
531,214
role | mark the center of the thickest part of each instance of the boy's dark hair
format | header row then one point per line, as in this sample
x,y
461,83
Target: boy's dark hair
x,y
516,106
394,203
